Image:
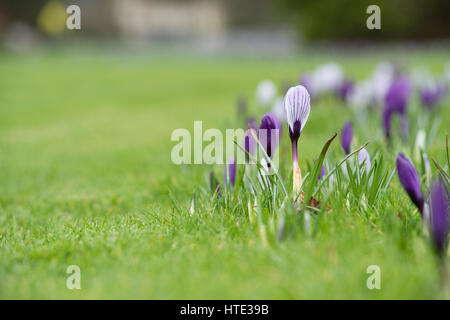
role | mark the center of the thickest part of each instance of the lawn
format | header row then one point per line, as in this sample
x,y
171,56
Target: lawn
x,y
86,179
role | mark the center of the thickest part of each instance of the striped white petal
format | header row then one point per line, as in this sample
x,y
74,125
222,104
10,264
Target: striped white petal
x,y
297,106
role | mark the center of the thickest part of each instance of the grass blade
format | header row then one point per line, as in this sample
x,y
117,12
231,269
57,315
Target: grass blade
x,y
316,170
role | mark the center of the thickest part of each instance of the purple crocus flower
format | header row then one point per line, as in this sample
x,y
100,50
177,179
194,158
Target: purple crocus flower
x,y
439,216
430,96
231,172
213,183
396,102
347,136
269,132
321,172
249,141
297,105
410,181
345,89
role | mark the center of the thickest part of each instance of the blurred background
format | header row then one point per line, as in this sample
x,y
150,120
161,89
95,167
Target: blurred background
x,y
221,25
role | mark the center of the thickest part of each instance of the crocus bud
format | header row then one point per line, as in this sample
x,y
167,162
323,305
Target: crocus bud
x,y
431,95
321,172
213,183
346,137
249,141
345,89
396,101
231,172
410,181
363,157
269,132
297,105
439,216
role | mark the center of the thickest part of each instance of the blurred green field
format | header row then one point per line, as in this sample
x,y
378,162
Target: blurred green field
x,y
85,178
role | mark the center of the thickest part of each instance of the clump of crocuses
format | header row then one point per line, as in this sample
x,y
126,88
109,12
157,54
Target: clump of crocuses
x,y
297,105
410,181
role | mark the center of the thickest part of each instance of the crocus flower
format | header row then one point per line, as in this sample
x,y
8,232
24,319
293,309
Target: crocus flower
x,y
321,172
269,132
439,216
410,181
213,183
265,92
381,79
396,102
326,78
297,105
249,141
430,96
230,173
347,136
361,97
364,157
345,89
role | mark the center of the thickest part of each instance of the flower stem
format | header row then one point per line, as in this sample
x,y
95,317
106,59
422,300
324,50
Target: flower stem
x,y
297,175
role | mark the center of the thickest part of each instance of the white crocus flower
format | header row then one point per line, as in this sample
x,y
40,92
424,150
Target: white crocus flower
x,y
326,78
265,93
363,156
382,77
297,106
360,98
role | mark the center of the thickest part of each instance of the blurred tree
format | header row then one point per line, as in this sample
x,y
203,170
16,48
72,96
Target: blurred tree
x,y
346,19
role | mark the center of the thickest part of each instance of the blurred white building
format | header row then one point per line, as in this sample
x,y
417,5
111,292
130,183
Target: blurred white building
x,y
145,19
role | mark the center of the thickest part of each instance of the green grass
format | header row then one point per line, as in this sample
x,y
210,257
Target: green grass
x,y
86,179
